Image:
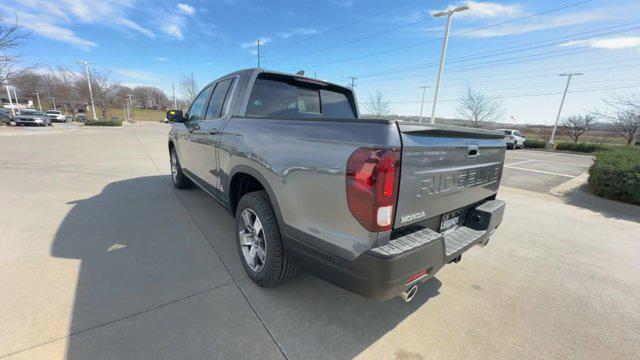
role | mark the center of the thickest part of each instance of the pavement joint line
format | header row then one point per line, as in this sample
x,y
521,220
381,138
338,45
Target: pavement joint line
x,y
264,325
155,307
539,171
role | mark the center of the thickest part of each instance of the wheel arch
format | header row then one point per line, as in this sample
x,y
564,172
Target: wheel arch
x,y
242,173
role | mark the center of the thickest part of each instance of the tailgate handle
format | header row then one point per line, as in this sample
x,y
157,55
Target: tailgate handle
x,y
473,150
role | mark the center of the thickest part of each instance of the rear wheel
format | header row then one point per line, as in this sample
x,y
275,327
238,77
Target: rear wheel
x,y
178,178
259,241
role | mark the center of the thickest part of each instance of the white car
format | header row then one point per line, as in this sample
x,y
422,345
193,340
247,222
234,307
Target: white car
x,y
515,139
56,116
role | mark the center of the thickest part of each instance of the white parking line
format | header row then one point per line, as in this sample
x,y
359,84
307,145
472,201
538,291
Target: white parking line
x,y
521,162
549,161
539,171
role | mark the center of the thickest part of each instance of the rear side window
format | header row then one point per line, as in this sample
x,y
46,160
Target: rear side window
x,y
286,97
507,132
214,111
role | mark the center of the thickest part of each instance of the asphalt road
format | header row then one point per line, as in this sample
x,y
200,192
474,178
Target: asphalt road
x,y
101,258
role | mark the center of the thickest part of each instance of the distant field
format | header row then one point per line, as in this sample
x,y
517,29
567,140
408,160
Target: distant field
x,y
138,114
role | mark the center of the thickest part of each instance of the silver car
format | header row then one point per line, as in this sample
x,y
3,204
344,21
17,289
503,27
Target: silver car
x,y
31,117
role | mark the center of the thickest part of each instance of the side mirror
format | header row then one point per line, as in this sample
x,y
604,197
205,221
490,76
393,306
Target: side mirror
x,y
175,116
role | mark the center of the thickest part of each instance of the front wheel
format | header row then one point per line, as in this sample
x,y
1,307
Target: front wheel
x,y
259,241
178,178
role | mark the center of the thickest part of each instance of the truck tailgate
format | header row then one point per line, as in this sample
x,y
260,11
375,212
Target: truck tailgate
x,y
444,168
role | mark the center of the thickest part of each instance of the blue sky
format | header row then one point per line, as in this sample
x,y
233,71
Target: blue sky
x,y
511,50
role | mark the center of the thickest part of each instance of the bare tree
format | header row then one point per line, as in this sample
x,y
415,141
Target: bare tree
x,y
626,119
103,91
477,108
576,125
189,87
11,37
376,105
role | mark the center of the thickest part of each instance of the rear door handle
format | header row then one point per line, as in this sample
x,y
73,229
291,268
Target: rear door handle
x,y
213,132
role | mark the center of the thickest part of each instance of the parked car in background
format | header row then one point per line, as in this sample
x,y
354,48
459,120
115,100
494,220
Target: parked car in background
x,y
514,138
375,206
31,117
56,116
81,117
5,116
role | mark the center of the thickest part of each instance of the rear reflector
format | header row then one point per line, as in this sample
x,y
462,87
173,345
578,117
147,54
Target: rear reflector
x,y
416,276
372,186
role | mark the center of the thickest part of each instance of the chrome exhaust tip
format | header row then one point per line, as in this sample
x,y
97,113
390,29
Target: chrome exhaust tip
x,y
410,293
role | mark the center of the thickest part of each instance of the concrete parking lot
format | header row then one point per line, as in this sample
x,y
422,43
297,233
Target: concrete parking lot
x,y
101,258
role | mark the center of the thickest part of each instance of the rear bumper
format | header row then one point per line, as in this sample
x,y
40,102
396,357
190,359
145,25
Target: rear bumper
x,y
382,273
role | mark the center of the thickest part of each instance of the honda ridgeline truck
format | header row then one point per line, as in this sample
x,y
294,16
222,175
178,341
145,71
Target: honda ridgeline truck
x,y
371,205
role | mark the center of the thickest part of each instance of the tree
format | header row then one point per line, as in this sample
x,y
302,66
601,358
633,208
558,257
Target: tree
x,y
477,108
103,91
376,105
11,36
189,87
626,119
576,125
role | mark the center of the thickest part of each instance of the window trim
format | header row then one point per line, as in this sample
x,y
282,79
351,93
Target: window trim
x,y
227,97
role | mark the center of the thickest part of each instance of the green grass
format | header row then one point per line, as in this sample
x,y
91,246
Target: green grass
x,y
138,114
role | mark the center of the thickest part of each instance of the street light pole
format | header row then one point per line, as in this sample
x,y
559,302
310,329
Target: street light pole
x,y
353,81
258,43
38,97
549,145
448,14
424,90
13,112
175,103
86,68
15,96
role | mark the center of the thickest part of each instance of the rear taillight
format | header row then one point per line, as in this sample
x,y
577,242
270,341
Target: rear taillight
x,y
372,186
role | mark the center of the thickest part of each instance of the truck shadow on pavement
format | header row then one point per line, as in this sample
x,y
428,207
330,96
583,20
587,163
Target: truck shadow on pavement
x,y
149,254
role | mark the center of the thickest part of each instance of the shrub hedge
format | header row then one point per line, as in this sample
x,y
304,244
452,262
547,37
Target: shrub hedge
x,y
103,123
580,147
615,174
534,144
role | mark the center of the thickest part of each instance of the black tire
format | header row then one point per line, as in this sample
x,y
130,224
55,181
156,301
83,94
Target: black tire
x,y
178,178
276,267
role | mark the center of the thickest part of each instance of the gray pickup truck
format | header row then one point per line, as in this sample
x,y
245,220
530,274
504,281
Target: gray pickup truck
x,y
374,206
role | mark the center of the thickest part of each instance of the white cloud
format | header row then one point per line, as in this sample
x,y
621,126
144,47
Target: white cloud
x,y
53,19
343,3
174,30
488,10
137,74
52,31
251,44
537,25
297,31
186,9
610,43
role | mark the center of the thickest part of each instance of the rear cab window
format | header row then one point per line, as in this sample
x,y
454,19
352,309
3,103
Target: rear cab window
x,y
283,96
507,132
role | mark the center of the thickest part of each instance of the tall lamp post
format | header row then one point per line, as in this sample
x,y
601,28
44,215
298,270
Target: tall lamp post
x,y
549,145
86,69
424,90
448,14
6,84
